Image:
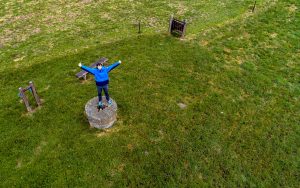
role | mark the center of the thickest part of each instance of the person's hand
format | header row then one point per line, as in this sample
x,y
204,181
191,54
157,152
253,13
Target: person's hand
x,y
79,64
120,61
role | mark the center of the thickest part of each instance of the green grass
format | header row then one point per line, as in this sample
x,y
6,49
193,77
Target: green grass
x,y
237,72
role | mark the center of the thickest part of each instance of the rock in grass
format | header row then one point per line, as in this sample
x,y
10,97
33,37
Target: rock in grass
x,y
101,119
182,106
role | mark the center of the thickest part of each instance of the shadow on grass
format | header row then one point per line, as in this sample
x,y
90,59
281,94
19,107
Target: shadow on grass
x,y
156,73
149,64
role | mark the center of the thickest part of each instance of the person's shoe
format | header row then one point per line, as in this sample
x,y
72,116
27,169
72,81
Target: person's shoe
x,y
100,104
109,102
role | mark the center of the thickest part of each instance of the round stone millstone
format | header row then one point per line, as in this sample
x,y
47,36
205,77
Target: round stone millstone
x,y
101,119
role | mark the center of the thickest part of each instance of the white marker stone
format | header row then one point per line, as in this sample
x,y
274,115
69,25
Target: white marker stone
x,y
182,106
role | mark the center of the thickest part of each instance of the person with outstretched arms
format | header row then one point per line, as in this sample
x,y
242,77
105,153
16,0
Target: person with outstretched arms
x,y
101,77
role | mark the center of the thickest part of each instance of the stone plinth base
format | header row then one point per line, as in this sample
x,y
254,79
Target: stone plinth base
x,y
101,119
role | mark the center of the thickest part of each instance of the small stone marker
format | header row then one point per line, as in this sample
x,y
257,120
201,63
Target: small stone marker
x,y
101,119
182,106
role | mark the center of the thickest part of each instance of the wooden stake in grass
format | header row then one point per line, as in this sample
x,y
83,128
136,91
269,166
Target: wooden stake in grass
x,y
253,8
37,98
25,99
139,27
170,24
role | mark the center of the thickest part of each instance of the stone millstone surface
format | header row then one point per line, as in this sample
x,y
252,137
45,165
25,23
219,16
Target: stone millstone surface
x,y
101,119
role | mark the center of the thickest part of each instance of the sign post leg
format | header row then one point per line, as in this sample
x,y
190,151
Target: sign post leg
x,y
25,100
170,23
37,98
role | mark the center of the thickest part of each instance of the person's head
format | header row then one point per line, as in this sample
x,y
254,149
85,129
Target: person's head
x,y
99,66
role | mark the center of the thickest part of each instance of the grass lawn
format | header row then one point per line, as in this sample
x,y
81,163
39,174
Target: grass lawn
x,y
238,72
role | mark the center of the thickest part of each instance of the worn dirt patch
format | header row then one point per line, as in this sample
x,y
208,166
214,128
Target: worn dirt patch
x,y
107,132
204,43
181,9
239,60
273,35
86,1
39,148
292,8
227,50
19,163
106,16
130,147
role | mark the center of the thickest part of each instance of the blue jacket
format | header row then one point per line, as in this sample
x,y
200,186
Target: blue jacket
x,y
101,76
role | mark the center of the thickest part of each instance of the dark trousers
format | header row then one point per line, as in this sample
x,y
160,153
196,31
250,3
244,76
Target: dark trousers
x,y
105,88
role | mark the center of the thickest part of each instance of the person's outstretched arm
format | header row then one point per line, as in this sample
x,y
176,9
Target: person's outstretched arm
x,y
87,69
111,67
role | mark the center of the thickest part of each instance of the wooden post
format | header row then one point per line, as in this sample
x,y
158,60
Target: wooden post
x,y
253,8
139,27
184,28
170,23
37,99
25,99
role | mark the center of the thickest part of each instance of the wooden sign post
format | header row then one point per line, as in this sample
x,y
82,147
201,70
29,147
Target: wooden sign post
x,y
177,27
31,88
140,27
253,8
